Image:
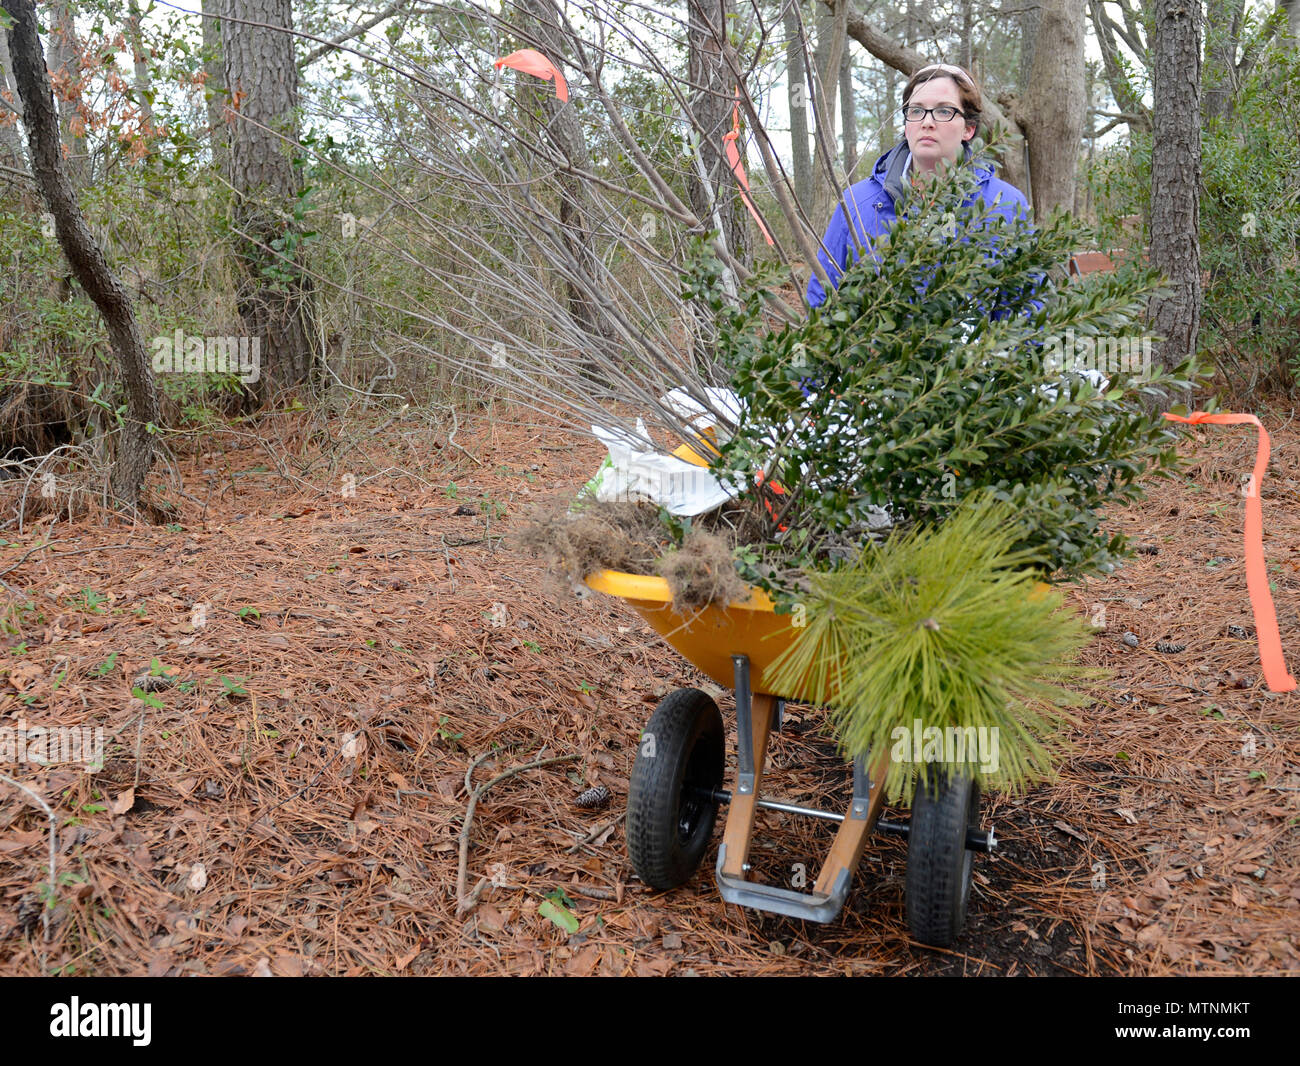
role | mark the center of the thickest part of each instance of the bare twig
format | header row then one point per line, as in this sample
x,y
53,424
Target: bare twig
x,y
466,900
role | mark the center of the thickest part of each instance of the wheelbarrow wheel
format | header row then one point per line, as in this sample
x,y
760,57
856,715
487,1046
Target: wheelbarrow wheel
x,y
670,810
938,860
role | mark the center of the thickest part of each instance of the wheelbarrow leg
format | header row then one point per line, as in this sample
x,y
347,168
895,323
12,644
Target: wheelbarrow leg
x,y
846,852
754,715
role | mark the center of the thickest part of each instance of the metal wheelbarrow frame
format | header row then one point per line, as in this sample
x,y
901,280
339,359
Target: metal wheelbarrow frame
x,y
679,796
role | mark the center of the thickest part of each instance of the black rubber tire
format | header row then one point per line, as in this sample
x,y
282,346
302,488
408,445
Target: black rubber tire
x,y
668,824
938,861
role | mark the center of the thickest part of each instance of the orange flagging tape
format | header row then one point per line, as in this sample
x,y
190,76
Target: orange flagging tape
x,y
1261,602
777,488
531,61
738,168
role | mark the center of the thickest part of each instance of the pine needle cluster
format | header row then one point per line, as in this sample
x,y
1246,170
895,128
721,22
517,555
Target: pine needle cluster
x,y
940,629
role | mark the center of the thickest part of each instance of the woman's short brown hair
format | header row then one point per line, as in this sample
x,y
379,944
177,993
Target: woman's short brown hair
x,y
968,91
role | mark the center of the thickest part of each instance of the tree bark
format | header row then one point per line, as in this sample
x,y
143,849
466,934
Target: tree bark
x,y
1292,9
966,52
1031,17
1175,178
135,449
1053,106
797,78
273,296
214,84
712,188
711,104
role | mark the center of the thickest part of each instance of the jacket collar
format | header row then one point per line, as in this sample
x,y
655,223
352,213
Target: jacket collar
x,y
890,170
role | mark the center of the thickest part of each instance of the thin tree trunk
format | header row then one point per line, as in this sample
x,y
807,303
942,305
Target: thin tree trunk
x,y
11,148
711,104
1292,9
274,296
711,186
140,64
848,114
1175,178
1126,98
966,53
1218,82
565,134
889,134
214,84
65,69
831,37
797,77
135,448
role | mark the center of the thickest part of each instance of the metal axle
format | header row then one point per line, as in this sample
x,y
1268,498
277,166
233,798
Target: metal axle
x,y
976,839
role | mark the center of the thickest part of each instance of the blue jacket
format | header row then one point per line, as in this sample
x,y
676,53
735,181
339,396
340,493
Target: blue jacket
x,y
874,201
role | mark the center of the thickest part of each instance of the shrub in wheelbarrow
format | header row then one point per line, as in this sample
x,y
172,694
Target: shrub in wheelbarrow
x,y
956,382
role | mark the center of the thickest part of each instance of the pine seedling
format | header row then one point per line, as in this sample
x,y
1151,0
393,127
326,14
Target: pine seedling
x,y
941,628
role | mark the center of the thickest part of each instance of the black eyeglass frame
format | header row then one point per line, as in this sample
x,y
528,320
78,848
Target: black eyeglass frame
x,y
956,112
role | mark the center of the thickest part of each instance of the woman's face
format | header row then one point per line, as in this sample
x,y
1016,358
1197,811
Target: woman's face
x,y
929,139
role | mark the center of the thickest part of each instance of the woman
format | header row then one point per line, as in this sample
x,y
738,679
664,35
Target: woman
x,y
941,114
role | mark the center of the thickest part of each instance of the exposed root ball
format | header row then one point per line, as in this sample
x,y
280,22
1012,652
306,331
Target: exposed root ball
x,y
613,536
702,572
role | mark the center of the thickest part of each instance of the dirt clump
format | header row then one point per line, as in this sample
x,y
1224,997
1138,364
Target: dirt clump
x,y
702,572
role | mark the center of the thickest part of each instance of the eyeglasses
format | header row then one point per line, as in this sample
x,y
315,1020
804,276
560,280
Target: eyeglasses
x,y
941,114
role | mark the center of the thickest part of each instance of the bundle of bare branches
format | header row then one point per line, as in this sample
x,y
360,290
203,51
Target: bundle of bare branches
x,y
550,223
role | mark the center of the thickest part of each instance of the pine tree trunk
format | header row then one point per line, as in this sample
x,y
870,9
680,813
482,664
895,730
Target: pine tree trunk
x,y
831,39
1175,178
273,297
135,445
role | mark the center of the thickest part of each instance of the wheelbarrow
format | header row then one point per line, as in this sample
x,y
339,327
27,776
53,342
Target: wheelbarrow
x,y
677,780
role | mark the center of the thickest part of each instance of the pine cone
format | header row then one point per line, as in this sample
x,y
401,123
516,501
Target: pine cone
x,y
593,799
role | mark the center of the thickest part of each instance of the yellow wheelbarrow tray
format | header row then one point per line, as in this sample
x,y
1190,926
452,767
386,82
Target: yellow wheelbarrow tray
x,y
675,788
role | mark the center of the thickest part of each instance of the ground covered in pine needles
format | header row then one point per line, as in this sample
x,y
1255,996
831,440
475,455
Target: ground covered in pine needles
x,y
333,649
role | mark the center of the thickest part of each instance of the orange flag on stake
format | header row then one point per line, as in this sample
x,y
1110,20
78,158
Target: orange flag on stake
x,y
1261,602
738,168
531,61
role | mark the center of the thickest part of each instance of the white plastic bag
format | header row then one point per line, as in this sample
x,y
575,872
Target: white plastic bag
x,y
634,470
